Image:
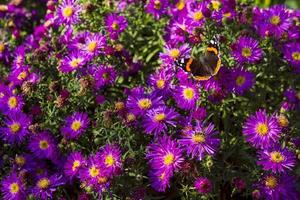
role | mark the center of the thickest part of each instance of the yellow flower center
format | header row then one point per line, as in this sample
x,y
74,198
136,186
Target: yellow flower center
x,y
75,165
119,105
75,63
275,20
246,52
157,4
283,121
180,5
76,125
2,47
271,182
14,188
94,171
240,80
22,75
144,103
198,138
44,144
160,83
296,55
174,53
92,46
216,5
67,11
262,129
115,25
130,117
43,183
198,16
106,76
227,15
12,102
109,160
169,159
15,127
20,160
159,117
276,157
188,93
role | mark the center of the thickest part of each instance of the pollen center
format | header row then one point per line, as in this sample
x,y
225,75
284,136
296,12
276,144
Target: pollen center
x,y
76,125
198,16
44,144
43,183
160,83
262,129
216,5
159,117
20,160
109,160
106,76
14,188
157,4
188,93
130,117
67,11
115,25
22,76
271,182
2,47
169,159
92,46
175,53
75,62
276,157
12,102
15,127
180,5
246,52
75,165
296,55
275,20
198,138
240,80
144,103
94,171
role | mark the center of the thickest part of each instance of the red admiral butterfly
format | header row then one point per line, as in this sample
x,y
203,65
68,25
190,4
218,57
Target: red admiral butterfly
x,y
206,66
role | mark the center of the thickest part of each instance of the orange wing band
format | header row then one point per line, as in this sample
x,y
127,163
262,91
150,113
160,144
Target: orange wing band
x,y
202,78
188,65
212,49
218,67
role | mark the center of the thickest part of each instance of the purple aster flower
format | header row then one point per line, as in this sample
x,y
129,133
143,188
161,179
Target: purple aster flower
x,y
73,164
291,53
173,53
19,75
160,180
164,155
139,102
157,119
161,82
277,159
241,80
246,50
200,141
186,95
157,8
72,62
261,130
94,44
277,20
115,25
75,125
12,187
68,12
19,57
203,185
110,158
43,145
12,103
46,186
104,75
16,129
198,13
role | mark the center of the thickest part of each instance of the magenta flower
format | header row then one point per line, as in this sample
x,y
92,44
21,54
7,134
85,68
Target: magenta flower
x,y
203,185
75,125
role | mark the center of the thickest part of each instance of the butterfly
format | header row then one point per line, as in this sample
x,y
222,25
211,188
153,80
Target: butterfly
x,y
206,66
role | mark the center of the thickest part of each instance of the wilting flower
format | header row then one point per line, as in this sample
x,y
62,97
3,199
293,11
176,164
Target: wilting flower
x,y
277,159
16,129
246,50
68,12
75,125
292,54
173,53
46,185
261,130
74,163
43,145
157,119
157,8
200,141
241,80
115,25
110,158
186,95
72,62
12,187
203,185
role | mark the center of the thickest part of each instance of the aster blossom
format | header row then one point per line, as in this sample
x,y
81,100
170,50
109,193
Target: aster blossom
x,y
68,12
186,95
110,157
115,25
241,80
12,187
75,125
73,164
203,185
72,62
157,8
173,53
291,53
